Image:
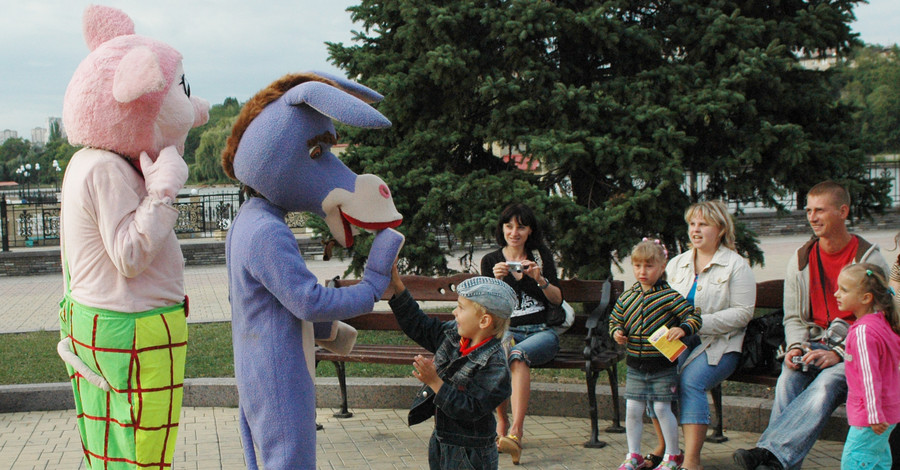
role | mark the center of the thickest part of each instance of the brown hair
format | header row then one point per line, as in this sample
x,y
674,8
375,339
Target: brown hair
x,y
871,280
255,105
839,195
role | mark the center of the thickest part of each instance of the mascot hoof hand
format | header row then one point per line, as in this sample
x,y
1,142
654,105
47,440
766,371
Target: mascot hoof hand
x,y
166,176
385,248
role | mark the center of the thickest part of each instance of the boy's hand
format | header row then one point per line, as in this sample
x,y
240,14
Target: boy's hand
x,y
396,285
619,337
426,372
675,333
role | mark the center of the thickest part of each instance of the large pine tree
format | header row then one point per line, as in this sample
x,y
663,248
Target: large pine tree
x,y
621,102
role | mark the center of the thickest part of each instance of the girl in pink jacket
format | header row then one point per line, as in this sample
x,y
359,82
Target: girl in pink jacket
x,y
872,368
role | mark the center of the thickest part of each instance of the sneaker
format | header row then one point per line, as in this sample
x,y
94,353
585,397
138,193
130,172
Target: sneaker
x,y
670,462
750,459
632,462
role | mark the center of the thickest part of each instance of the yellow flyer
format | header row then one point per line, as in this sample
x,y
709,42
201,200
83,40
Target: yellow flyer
x,y
671,349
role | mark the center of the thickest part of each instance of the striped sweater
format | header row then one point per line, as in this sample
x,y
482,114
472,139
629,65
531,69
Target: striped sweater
x,y
638,314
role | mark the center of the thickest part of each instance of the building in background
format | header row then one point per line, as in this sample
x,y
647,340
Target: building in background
x,y
7,134
39,136
56,122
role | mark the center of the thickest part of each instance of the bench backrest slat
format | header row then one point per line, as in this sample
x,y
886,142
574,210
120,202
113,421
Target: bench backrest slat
x,y
423,288
770,294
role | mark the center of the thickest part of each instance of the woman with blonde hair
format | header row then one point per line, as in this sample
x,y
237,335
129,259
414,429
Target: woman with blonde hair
x,y
718,282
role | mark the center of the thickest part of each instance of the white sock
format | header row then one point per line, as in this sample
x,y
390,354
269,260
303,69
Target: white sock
x,y
669,426
634,424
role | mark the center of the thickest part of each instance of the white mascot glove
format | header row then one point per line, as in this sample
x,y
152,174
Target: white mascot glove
x,y
166,176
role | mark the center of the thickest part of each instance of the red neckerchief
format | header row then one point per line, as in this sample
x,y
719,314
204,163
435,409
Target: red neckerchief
x,y
464,348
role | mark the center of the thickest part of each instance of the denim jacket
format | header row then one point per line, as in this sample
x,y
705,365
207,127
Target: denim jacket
x,y
474,385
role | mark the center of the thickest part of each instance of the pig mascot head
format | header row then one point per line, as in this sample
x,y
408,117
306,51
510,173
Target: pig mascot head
x,y
129,95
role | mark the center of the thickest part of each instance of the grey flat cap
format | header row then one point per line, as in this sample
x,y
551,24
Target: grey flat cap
x,y
493,294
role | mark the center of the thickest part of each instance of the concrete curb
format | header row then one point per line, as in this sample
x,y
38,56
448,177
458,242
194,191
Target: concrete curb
x,y
547,399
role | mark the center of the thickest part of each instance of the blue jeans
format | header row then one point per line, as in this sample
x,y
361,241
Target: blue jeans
x,y
803,403
865,450
697,378
534,344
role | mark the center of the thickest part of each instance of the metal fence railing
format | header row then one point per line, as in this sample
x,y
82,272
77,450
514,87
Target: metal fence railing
x,y
889,170
32,219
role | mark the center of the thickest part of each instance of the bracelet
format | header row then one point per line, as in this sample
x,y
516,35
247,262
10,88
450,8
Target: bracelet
x,y
546,284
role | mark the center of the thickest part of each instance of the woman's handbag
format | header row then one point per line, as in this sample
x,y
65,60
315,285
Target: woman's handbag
x,y
559,317
762,338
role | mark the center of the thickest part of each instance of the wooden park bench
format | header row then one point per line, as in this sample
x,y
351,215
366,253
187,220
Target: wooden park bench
x,y
595,354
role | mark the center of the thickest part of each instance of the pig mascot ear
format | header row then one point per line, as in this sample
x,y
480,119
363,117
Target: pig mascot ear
x,y
101,23
138,73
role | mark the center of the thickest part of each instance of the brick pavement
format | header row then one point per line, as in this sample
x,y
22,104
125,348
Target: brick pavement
x,y
372,439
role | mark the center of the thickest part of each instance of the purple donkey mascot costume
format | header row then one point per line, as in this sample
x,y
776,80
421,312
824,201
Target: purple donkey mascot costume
x,y
280,149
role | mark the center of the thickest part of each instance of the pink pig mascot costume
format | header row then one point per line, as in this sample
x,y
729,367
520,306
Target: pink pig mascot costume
x,y
123,319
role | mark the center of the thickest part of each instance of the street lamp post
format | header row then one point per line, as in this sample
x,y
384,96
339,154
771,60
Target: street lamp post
x,y
56,171
19,171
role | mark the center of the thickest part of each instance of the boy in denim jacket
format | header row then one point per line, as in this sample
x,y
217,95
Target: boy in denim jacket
x,y
468,377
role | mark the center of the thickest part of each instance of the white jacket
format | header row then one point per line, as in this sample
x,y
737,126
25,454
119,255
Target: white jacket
x,y
726,296
798,324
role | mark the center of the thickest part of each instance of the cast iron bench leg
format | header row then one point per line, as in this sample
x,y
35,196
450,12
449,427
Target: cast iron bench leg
x,y
594,442
718,436
342,382
613,373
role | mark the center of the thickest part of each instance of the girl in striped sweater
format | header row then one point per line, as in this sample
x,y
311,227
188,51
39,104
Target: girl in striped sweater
x,y
640,311
873,357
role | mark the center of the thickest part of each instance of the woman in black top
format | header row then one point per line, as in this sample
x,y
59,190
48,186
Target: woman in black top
x,y
525,263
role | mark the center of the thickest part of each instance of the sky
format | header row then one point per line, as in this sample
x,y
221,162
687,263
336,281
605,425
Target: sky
x,y
230,47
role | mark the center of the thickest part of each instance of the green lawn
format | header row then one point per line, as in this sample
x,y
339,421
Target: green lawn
x,y
31,358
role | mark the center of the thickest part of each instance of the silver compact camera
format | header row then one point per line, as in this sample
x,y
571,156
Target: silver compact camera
x,y
514,266
799,360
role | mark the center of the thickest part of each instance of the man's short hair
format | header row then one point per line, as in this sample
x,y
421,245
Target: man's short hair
x,y
838,194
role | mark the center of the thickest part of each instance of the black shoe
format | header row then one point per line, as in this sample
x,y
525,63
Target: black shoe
x,y
753,458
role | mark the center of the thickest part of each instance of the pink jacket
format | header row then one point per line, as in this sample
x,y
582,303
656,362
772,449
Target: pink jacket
x,y
873,376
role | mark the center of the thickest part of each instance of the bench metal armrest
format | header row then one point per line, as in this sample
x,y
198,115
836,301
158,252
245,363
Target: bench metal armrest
x,y
597,324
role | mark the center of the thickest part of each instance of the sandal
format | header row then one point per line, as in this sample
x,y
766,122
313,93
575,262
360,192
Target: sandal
x,y
651,461
509,444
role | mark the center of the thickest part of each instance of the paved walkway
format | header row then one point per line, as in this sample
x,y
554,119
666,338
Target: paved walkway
x,y
208,438
31,303
373,438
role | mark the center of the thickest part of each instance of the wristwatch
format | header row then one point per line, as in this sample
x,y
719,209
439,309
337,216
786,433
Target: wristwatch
x,y
546,284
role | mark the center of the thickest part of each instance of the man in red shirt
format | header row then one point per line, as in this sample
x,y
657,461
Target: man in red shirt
x,y
804,400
